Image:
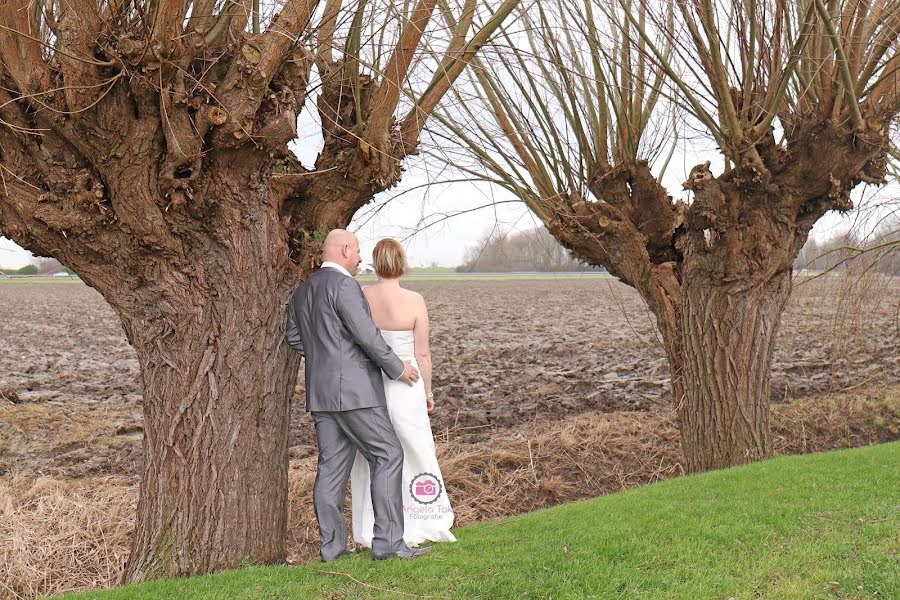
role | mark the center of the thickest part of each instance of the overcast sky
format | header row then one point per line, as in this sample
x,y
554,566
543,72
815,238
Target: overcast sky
x,y
406,211
445,242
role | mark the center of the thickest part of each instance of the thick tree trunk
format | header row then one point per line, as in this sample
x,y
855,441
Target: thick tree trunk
x,y
160,170
717,296
214,482
217,381
728,340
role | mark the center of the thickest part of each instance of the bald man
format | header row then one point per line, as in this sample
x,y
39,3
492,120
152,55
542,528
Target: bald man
x,y
330,324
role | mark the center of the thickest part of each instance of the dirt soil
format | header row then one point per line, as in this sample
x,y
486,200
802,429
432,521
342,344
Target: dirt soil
x,y
506,353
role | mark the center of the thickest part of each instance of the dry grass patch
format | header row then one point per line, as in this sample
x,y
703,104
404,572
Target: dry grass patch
x,y
52,422
59,535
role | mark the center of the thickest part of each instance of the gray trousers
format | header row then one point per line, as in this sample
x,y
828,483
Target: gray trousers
x,y
340,435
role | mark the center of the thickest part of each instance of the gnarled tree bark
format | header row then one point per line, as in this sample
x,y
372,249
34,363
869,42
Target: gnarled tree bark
x,y
575,111
717,274
148,151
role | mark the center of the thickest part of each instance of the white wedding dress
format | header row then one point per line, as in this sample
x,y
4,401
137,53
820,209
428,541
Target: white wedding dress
x,y
427,515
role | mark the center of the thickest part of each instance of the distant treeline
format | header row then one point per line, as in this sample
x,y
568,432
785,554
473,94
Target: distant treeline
x,y
39,266
26,270
878,252
534,250
537,250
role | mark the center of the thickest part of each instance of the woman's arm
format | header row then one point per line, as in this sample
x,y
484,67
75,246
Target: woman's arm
x,y
422,348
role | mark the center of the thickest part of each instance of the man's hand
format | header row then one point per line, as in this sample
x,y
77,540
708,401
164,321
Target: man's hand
x,y
410,373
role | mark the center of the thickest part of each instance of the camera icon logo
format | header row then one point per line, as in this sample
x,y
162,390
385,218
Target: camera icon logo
x,y
425,488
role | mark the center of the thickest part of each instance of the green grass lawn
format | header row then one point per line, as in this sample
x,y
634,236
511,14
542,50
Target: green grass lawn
x,y
816,526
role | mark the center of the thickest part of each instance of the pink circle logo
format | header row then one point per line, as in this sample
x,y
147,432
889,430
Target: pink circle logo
x,y
425,488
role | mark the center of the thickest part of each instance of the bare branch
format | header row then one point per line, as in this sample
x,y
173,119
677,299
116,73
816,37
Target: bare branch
x,y
21,54
167,24
386,97
448,72
260,59
326,32
843,65
202,16
79,26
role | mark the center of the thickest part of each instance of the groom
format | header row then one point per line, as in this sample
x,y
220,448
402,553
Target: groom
x,y
330,324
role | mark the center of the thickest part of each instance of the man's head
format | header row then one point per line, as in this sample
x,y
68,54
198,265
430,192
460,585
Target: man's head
x,y
342,247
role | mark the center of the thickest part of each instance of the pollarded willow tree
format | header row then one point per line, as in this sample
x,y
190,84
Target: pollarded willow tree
x,y
799,97
144,144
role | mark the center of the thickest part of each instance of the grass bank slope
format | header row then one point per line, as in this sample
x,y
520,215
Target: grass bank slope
x,y
822,525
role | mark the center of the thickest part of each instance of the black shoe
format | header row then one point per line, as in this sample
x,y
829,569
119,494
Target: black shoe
x,y
408,553
345,552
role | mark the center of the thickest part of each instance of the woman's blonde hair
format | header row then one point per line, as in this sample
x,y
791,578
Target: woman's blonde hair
x,y
389,259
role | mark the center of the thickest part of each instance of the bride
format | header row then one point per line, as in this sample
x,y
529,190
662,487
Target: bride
x,y
402,317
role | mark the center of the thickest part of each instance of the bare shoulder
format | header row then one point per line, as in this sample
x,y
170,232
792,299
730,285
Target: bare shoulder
x,y
415,297
417,301
369,294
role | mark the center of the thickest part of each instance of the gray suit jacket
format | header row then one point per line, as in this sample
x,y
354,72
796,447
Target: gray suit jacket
x,y
329,322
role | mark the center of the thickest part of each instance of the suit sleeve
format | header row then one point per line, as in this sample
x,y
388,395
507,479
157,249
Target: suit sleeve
x,y
293,330
352,309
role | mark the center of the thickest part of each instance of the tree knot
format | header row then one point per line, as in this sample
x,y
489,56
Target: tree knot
x,y
698,176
